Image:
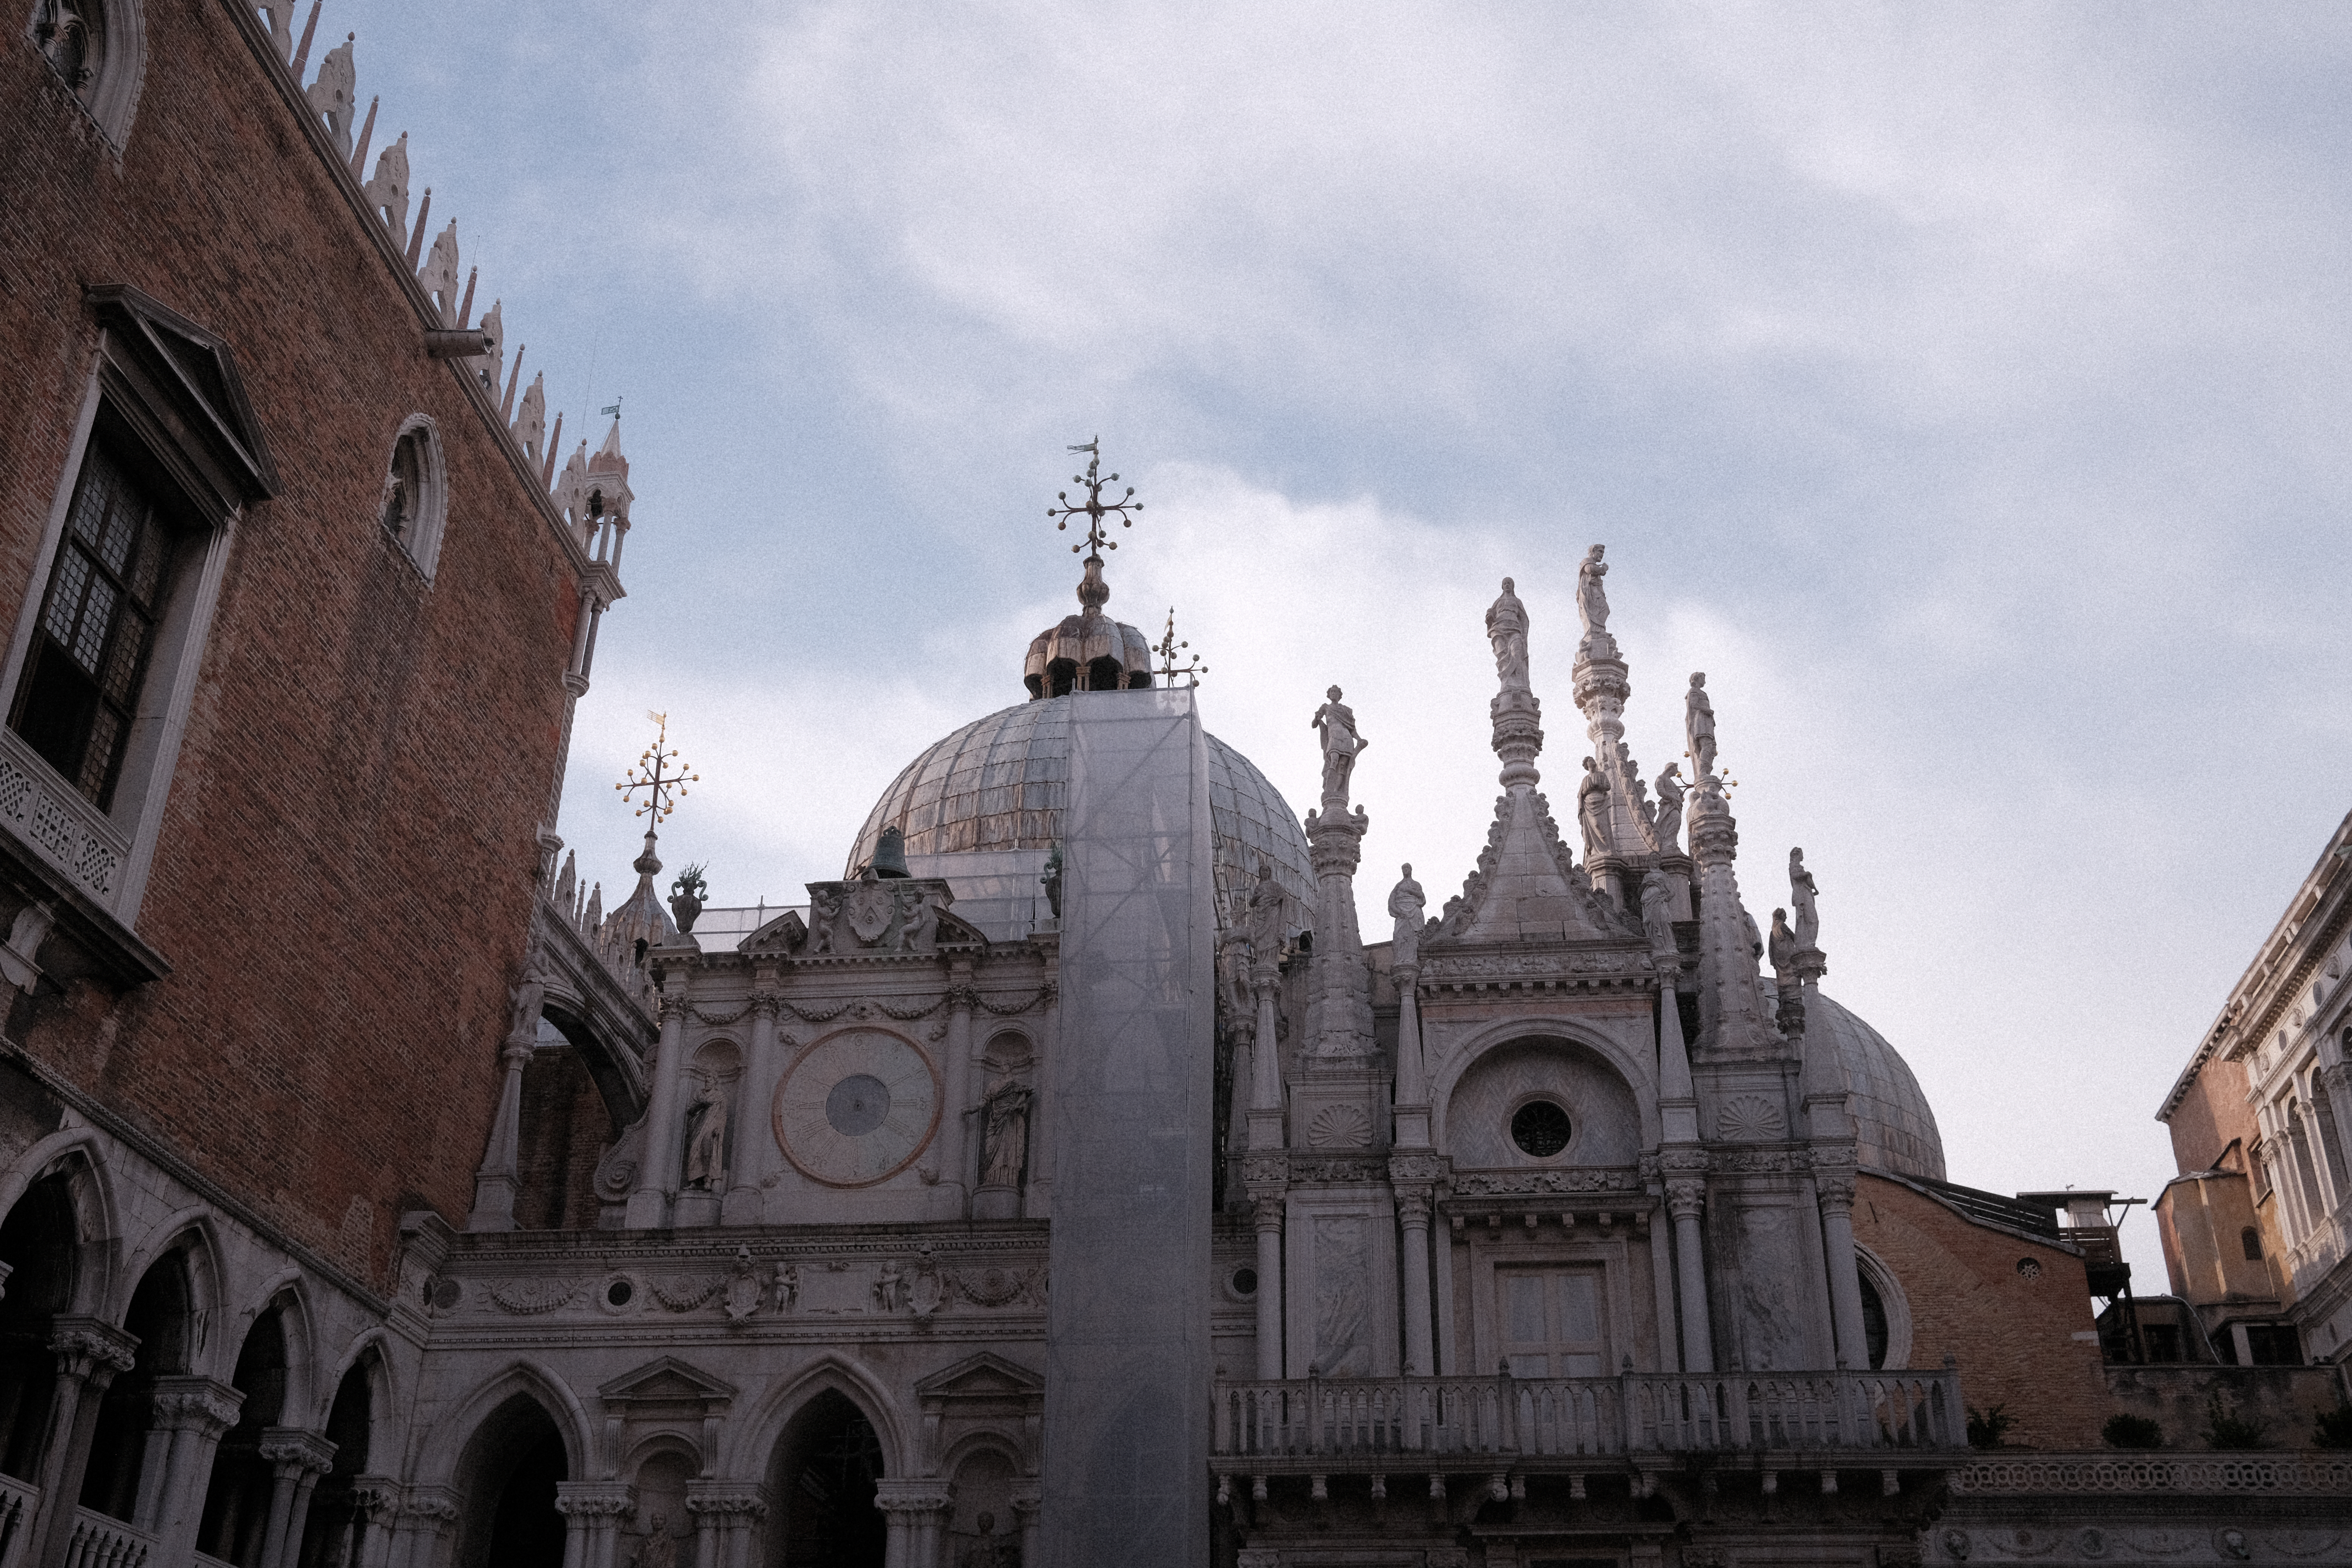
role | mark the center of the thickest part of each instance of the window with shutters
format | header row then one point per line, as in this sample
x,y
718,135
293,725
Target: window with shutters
x,y
77,698
1552,1321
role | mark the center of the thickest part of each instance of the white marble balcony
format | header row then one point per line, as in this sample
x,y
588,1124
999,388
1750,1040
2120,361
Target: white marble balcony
x,y
1478,1423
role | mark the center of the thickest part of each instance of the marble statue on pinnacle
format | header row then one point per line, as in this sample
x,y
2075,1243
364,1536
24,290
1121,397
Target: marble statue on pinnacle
x,y
1506,628
1698,727
1341,743
1592,607
1406,907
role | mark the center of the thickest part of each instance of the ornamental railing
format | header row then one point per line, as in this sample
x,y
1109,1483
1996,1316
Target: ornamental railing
x,y
69,833
19,1501
1368,1420
2192,1474
98,1542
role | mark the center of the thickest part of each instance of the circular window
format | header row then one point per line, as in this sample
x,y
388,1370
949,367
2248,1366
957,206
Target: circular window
x,y
619,1292
2030,1267
1244,1282
1539,1128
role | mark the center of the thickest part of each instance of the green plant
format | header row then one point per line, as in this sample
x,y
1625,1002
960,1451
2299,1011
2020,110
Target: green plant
x,y
689,883
2333,1429
2132,1432
1988,1427
2223,1429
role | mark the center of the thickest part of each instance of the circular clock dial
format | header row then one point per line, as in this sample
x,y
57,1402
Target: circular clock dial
x,y
857,1107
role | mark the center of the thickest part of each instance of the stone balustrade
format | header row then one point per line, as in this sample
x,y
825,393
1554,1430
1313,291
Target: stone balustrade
x,y
99,1542
1323,1424
19,1502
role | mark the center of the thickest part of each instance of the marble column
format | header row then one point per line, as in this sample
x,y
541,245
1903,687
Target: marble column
x,y
725,1514
593,1513
1267,1204
191,1414
1412,1069
755,1142
1412,1213
649,1205
1686,1197
297,1459
91,1354
914,1508
1835,1191
1026,1502
375,1508
957,1171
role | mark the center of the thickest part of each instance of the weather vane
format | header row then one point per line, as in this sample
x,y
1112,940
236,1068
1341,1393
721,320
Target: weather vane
x,y
659,773
1094,509
1194,669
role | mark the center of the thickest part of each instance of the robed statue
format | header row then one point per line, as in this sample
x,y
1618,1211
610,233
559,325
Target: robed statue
x,y
1506,628
706,1150
1800,894
1698,724
1342,742
1591,598
1004,1134
1406,903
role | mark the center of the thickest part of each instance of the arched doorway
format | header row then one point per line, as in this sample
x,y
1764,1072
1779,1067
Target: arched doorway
x,y
36,1241
508,1476
824,1475
332,1537
237,1501
163,1317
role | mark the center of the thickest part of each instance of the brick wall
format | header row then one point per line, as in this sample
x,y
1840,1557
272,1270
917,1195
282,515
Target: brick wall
x,y
2013,1335
343,878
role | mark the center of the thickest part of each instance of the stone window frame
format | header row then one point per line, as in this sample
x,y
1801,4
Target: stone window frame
x,y
1897,1305
426,510
165,392
110,96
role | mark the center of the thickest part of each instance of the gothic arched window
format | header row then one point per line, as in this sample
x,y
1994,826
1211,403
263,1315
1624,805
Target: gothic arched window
x,y
97,48
416,491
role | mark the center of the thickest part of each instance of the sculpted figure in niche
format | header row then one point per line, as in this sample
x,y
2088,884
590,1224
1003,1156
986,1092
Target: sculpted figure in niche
x,y
1342,742
1506,628
1004,1134
1265,917
1801,894
1592,598
659,1547
1658,911
1592,810
1698,725
706,1147
992,1549
1406,903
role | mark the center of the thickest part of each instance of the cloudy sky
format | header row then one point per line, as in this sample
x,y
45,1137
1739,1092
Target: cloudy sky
x,y
1963,389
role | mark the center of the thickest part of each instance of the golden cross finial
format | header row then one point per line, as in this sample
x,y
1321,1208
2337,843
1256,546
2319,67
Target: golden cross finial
x,y
659,773
1094,509
1193,668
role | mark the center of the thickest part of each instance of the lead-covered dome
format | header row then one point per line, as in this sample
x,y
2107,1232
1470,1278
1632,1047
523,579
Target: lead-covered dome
x,y
1894,1128
1000,782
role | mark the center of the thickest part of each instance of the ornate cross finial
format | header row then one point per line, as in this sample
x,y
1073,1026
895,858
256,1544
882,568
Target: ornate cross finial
x,y
659,773
1192,669
1094,509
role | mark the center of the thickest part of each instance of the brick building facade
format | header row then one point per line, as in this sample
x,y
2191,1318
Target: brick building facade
x,y
370,1195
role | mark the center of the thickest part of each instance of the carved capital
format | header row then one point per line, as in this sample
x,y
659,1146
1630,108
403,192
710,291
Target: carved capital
x,y
594,1500
196,1405
1835,1190
963,998
1260,1172
1686,1196
291,1449
731,1503
87,1348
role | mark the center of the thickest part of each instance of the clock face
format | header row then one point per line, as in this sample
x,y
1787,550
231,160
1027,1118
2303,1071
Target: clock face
x,y
857,1107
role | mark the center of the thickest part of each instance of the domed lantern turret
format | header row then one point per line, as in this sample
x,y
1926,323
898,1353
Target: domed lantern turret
x,y
1090,651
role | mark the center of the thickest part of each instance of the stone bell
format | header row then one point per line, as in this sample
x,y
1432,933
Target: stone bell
x,y
890,854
